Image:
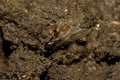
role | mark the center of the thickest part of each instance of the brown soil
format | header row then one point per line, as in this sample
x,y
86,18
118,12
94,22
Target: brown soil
x,y
30,49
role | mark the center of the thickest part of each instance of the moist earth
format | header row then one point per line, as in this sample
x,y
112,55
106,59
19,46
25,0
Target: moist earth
x,y
26,28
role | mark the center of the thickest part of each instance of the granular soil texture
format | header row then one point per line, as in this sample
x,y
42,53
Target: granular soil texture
x,y
59,39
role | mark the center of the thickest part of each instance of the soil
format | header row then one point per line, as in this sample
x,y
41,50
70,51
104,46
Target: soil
x,y
32,47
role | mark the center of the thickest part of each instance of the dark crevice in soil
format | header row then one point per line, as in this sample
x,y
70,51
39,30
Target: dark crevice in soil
x,y
110,60
82,43
35,49
6,48
60,63
72,62
15,76
43,76
3,76
47,54
50,48
9,20
32,48
75,61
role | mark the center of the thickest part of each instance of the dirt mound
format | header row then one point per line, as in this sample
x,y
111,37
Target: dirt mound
x,y
60,39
